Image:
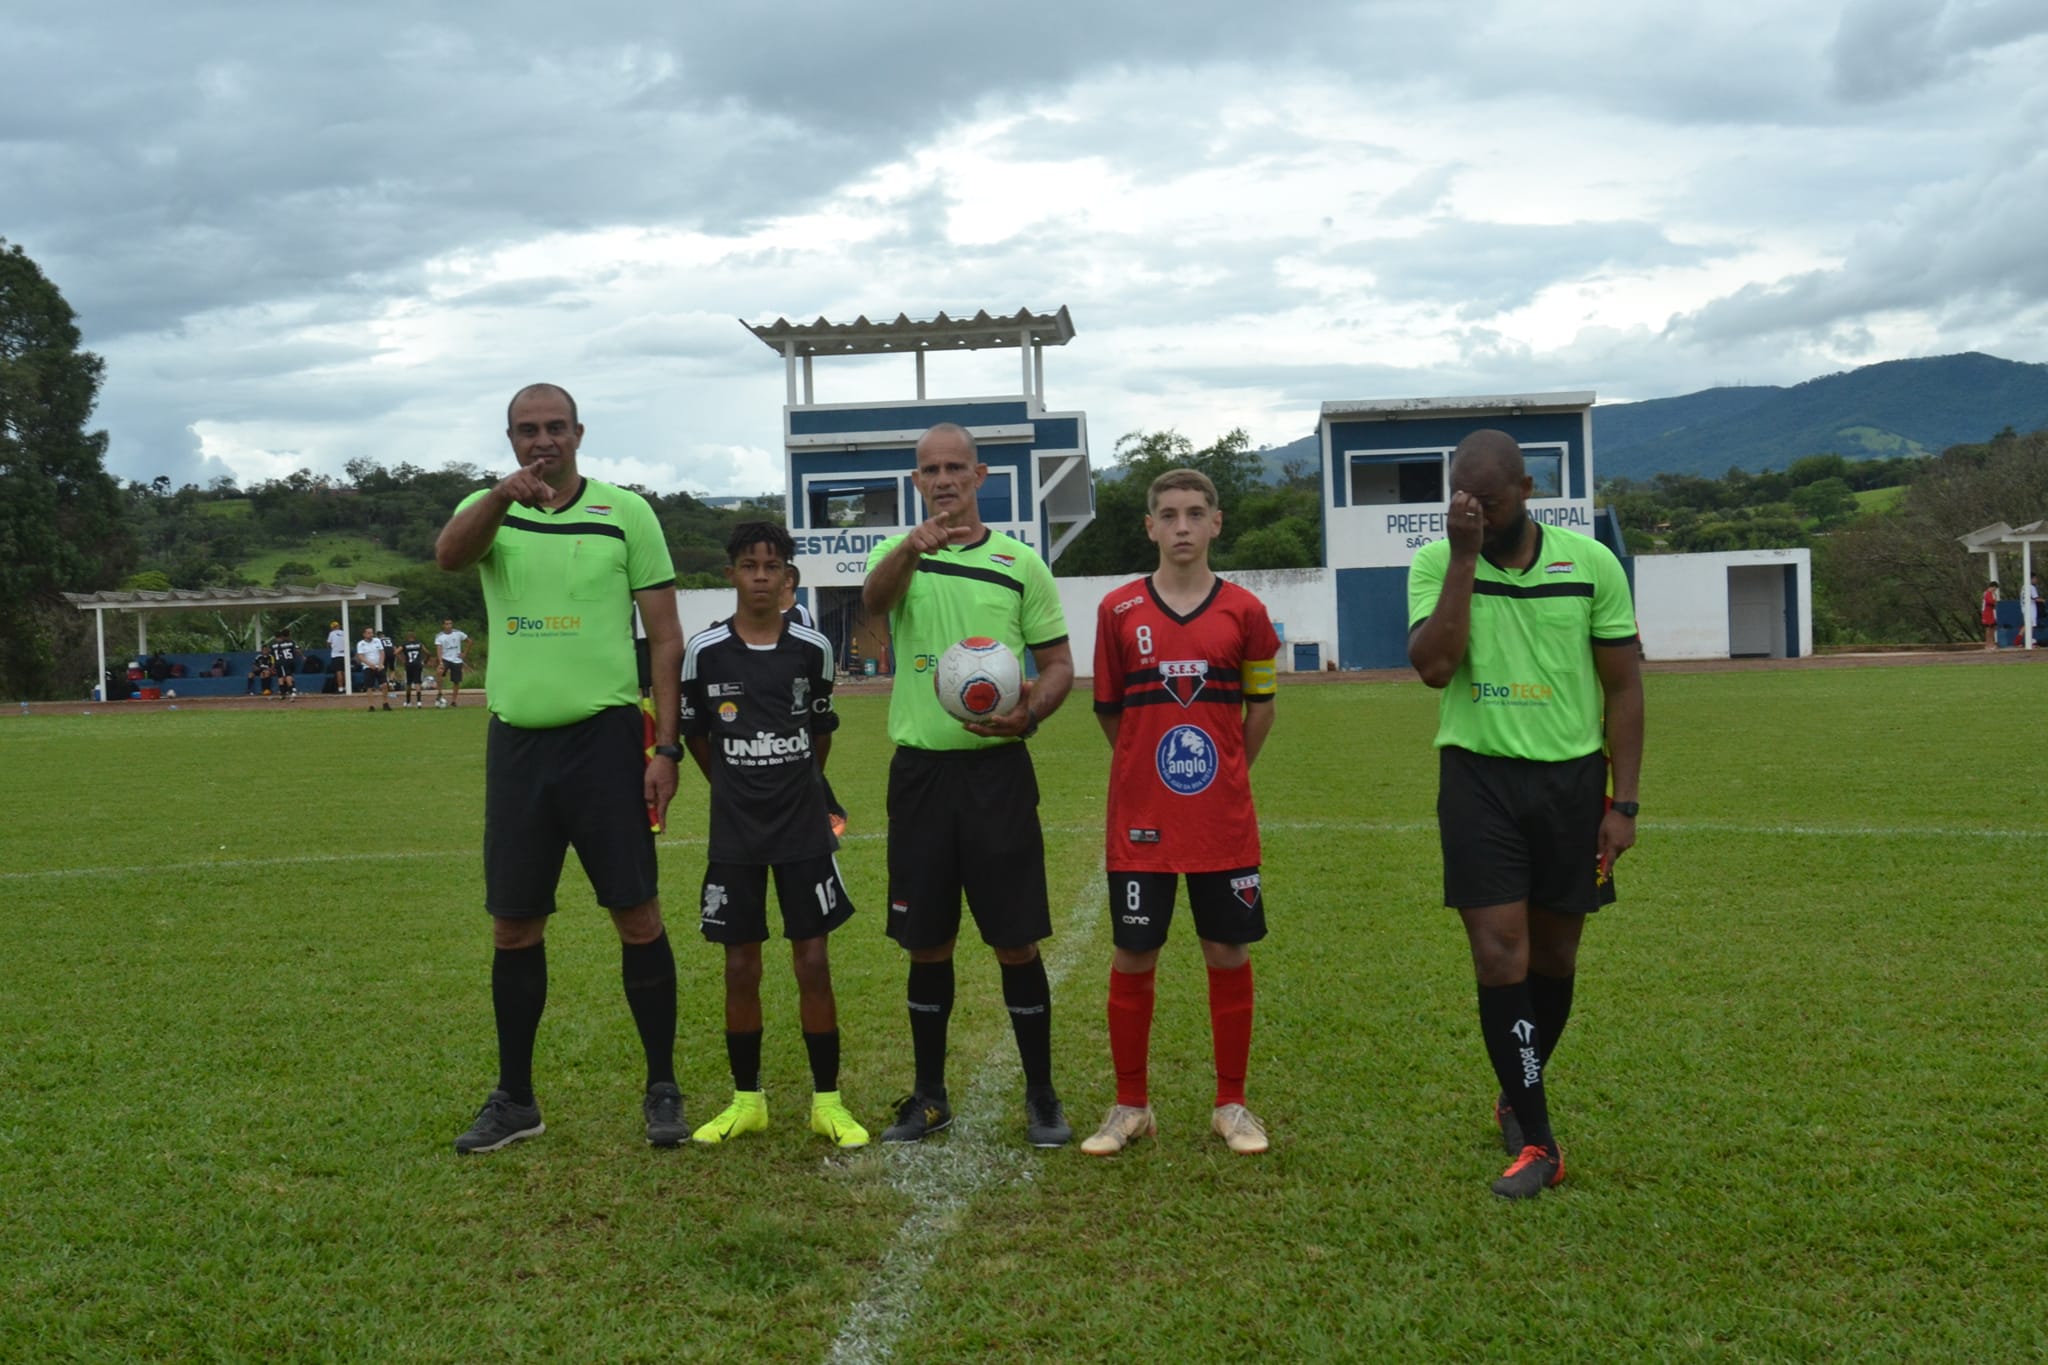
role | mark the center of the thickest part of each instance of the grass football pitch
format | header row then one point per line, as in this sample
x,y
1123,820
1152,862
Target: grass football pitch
x,y
244,1009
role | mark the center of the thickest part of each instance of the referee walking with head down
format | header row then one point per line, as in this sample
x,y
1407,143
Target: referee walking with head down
x,y
565,560
1530,634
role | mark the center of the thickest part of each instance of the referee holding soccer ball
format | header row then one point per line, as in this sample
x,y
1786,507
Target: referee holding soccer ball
x,y
1530,634
963,798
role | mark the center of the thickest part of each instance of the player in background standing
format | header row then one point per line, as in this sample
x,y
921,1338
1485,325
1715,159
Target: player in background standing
x,y
284,653
414,655
1184,682
758,718
370,654
449,645
564,561
337,652
390,662
796,613
1529,632
963,799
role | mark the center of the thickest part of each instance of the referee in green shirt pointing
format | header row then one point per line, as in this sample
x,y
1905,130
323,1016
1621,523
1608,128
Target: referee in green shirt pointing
x,y
1529,632
963,799
565,560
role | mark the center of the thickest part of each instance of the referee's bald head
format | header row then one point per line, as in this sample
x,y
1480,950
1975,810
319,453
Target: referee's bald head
x,y
1486,452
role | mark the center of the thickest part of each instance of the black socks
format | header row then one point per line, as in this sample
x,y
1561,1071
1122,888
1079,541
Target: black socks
x,y
931,1009
1029,997
519,992
649,972
1507,1021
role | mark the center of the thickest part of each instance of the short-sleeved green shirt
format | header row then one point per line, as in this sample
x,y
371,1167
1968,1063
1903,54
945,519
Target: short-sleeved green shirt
x,y
559,588
997,587
1527,687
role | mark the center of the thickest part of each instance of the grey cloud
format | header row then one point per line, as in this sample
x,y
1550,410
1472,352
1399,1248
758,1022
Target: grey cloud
x,y
1887,49
1974,240
1480,269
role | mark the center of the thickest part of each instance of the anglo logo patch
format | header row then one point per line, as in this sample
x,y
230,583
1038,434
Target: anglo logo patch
x,y
1559,566
600,509
1007,561
1186,759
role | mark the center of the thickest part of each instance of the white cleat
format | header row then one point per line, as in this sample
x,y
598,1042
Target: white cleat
x,y
1240,1128
1123,1125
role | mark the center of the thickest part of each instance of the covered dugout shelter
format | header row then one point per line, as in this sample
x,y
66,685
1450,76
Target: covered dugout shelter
x,y
2016,625
141,602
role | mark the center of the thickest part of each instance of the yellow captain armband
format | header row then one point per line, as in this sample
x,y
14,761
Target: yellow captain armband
x,y
1260,678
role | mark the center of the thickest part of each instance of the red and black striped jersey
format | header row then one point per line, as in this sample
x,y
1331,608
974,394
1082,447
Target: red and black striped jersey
x,y
1180,795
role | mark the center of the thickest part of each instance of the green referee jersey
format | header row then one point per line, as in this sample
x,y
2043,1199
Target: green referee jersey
x,y
997,587
558,587
1527,687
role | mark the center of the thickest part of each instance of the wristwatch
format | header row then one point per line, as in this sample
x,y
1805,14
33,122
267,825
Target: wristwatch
x,y
673,752
1628,808
1030,725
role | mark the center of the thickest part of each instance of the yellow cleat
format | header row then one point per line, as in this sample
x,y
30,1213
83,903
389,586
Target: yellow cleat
x,y
831,1119
748,1113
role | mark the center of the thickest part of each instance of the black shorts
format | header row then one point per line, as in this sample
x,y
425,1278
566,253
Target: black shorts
x,y
373,678
454,671
1229,907
734,907
576,784
966,821
1514,829
285,681
412,675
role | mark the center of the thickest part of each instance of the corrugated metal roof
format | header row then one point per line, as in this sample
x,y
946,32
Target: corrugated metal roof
x,y
186,599
1460,407
942,333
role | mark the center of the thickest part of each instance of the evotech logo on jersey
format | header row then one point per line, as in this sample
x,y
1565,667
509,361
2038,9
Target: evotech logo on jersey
x,y
543,625
923,663
1511,694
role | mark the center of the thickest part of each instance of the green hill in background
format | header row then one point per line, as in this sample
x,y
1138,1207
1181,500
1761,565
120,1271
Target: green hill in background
x,y
1896,407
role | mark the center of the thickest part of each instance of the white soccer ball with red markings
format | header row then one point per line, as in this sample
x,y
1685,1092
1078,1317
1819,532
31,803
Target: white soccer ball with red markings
x,y
978,678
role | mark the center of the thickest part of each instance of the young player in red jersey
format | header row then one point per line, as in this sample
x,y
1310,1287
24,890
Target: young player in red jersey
x,y
1184,691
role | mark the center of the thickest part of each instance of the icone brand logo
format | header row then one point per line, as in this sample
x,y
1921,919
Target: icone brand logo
x,y
1120,608
1186,759
543,625
1511,694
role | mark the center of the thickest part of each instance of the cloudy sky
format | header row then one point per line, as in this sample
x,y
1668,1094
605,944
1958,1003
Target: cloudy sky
x,y
302,236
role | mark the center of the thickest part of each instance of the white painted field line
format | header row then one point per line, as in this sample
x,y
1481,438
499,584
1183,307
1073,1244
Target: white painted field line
x,y
1649,827
943,1175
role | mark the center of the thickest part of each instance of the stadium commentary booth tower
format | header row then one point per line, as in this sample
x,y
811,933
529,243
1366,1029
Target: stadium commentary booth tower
x,y
1386,483
849,464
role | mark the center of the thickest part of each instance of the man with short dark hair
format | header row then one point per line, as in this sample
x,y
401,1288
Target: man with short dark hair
x,y
963,797
1529,632
370,654
564,561
758,719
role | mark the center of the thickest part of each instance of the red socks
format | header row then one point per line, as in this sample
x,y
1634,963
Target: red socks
x,y
1230,1021
1130,1032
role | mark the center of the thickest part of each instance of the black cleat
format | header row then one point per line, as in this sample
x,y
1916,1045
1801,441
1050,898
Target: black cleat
x,y
663,1109
1534,1171
1045,1122
500,1123
918,1117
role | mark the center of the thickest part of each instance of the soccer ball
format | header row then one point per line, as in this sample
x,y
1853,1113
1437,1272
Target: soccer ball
x,y
978,678
170,692
440,703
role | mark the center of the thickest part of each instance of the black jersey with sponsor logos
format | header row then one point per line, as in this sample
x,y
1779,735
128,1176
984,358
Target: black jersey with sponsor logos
x,y
287,655
760,709
414,654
